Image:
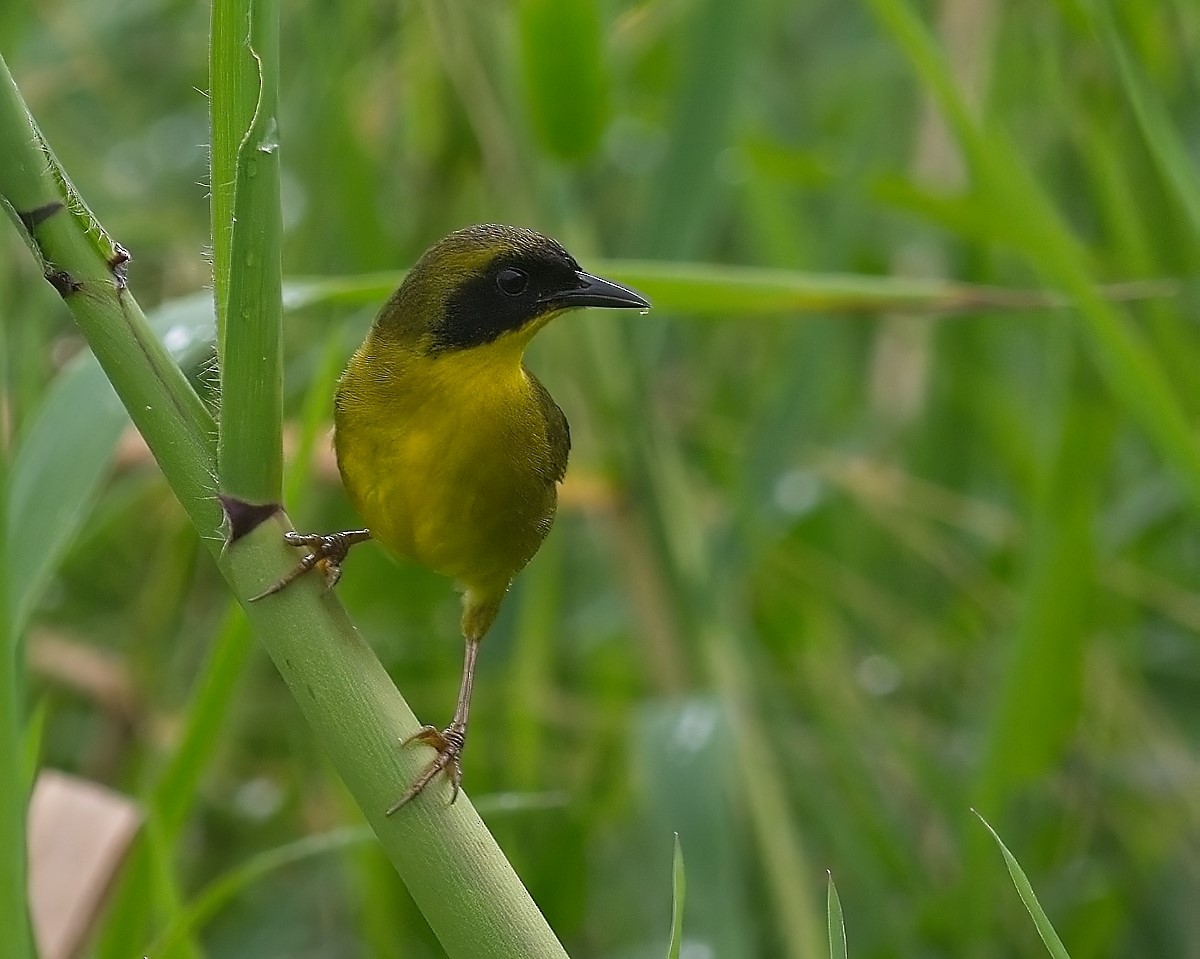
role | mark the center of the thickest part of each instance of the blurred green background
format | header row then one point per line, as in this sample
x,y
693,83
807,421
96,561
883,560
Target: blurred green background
x,y
820,583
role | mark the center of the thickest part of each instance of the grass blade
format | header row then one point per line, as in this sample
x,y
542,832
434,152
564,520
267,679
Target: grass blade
x,y
682,750
1169,151
678,894
59,464
1025,891
1041,692
709,289
223,889
65,450
837,925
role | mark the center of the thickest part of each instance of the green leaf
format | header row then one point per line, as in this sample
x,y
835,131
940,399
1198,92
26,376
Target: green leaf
x,y
1041,692
60,462
222,889
65,450
1170,152
682,751
1025,891
837,925
709,289
678,893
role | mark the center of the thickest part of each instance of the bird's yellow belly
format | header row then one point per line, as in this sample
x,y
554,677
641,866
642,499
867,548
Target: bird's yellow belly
x,y
465,493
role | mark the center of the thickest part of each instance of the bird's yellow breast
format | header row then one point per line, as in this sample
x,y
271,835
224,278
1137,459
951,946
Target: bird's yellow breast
x,y
450,457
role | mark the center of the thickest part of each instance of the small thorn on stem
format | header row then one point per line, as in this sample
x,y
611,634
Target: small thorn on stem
x,y
31,218
244,517
118,264
63,282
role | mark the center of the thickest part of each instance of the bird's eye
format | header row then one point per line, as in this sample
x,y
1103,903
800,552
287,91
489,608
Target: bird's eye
x,y
512,282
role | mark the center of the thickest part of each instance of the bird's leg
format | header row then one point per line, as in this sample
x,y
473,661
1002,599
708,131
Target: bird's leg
x,y
449,741
326,552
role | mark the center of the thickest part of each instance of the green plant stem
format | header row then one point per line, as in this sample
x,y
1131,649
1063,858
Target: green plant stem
x,y
14,794
457,874
233,83
87,268
249,316
18,942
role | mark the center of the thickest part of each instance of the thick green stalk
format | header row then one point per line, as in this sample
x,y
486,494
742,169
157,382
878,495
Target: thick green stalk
x,y
452,866
249,318
233,83
457,874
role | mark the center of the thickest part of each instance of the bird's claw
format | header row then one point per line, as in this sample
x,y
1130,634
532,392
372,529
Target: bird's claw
x,y
326,553
449,744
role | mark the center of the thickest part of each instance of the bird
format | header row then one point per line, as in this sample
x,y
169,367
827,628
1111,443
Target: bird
x,y
449,448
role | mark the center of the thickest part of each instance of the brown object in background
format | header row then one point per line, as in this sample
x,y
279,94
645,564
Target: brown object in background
x,y
79,834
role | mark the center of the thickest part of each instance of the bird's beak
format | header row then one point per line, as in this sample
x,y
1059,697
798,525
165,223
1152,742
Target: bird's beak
x,y
594,291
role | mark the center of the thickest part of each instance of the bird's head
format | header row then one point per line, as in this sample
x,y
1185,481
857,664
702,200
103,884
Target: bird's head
x,y
492,283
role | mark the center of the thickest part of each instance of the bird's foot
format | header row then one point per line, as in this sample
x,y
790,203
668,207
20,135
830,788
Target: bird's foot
x,y
449,745
326,553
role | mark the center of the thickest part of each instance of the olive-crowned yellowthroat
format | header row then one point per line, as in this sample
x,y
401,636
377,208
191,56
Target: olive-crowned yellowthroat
x,y
449,448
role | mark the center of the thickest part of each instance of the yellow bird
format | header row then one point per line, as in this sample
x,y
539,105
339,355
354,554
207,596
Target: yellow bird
x,y
449,448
